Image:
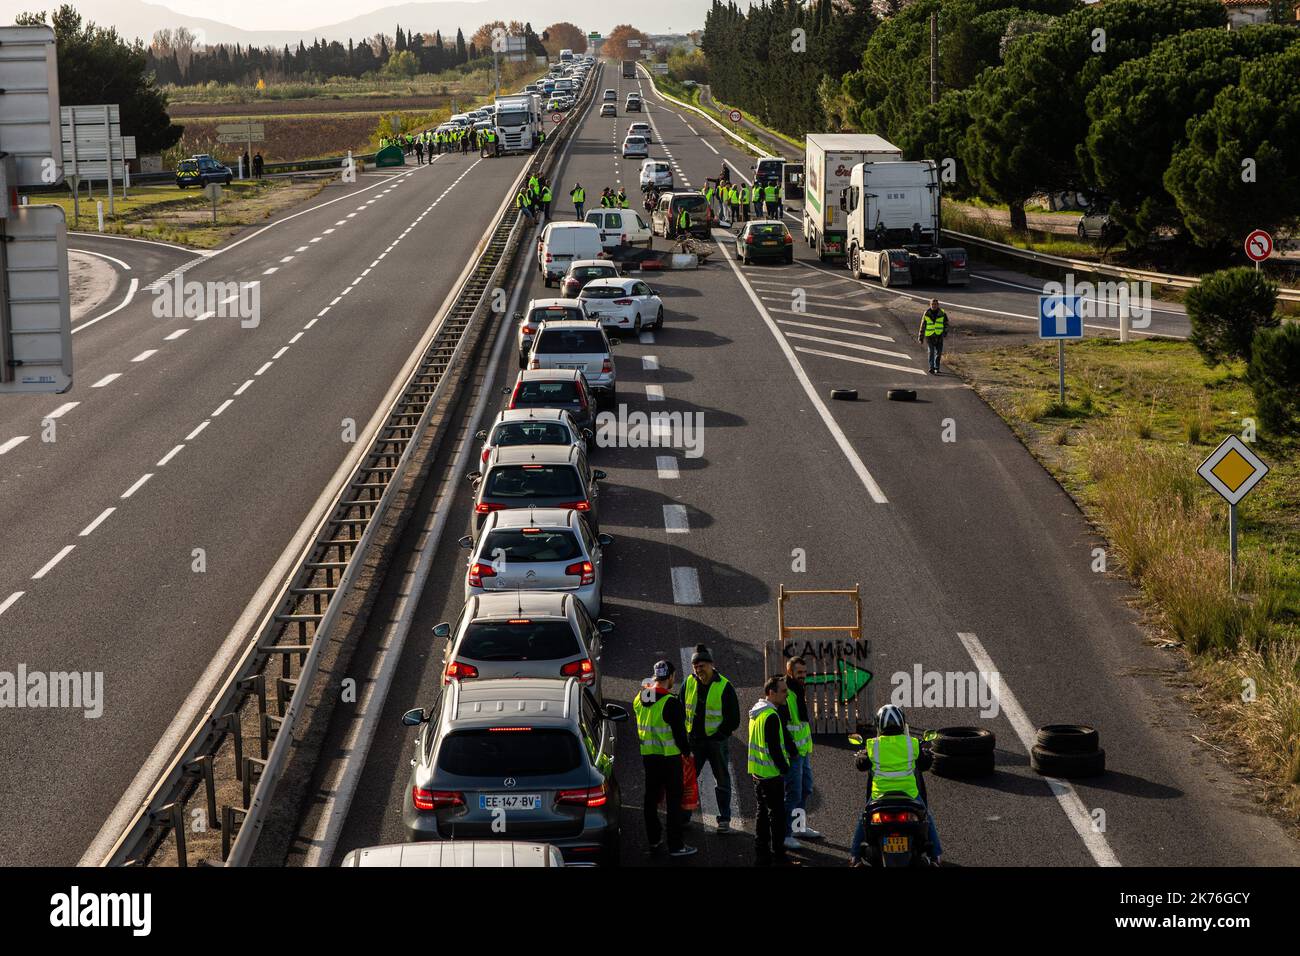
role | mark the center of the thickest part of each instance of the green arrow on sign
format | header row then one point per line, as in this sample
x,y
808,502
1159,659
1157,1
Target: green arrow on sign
x,y
850,677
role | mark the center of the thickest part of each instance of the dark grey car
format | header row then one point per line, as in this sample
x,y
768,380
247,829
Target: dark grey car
x,y
537,476
521,759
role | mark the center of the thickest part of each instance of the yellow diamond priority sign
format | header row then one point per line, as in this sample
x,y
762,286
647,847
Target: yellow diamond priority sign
x,y
1232,469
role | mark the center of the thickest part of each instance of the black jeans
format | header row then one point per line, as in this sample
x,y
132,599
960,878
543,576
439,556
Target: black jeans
x,y
663,776
769,826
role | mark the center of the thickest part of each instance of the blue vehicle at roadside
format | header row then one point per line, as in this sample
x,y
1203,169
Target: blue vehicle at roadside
x,y
200,170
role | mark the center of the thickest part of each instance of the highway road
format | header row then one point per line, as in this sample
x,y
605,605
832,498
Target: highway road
x,y
969,555
184,460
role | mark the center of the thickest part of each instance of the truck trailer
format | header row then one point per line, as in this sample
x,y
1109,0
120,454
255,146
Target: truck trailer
x,y
828,161
892,214
629,69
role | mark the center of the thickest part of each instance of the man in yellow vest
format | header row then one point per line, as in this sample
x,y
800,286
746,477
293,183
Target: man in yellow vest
x,y
934,326
894,761
799,781
579,197
768,763
712,715
546,201
661,730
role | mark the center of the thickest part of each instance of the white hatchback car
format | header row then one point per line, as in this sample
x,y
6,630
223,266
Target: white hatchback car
x,y
635,146
624,304
658,173
641,129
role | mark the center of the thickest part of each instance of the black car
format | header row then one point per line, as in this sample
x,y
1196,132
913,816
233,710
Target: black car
x,y
201,170
764,239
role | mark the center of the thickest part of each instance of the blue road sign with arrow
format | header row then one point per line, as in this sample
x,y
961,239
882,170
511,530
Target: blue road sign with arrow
x,y
1060,317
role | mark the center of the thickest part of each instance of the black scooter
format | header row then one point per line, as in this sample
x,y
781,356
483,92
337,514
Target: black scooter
x,y
895,830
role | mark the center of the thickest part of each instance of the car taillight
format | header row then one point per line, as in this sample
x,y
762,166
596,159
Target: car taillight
x,y
585,568
484,507
959,263
529,329
487,452
458,671
606,366
892,816
514,396
622,301
478,571
584,670
789,239
549,257
575,505
749,240
586,796
436,799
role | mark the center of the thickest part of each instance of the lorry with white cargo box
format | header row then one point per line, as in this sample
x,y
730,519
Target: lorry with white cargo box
x,y
518,120
829,158
892,214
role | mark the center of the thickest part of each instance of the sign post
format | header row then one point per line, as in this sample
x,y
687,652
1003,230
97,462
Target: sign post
x,y
734,116
213,192
1060,318
1259,246
1232,470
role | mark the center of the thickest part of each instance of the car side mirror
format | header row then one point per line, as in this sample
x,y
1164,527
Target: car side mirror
x,y
481,434
474,476
615,712
465,542
442,630
519,315
599,475
613,342
604,540
605,626
414,718
506,390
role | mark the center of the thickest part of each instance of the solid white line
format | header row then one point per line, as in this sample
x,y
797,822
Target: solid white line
x,y
130,294
860,361
654,393
49,565
176,335
107,379
243,388
10,601
169,456
675,520
87,252
666,465
1063,791
873,489
847,345
827,328
264,368
223,406
62,410
195,434
686,586
89,529
12,443
649,362
144,355
136,487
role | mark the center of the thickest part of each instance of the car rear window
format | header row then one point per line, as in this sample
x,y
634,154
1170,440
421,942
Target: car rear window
x,y
546,393
602,292
768,229
592,272
529,641
531,433
688,202
533,481
510,753
555,314
570,341
531,546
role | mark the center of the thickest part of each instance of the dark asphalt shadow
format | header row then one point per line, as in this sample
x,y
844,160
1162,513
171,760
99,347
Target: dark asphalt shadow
x,y
643,508
1129,785
675,335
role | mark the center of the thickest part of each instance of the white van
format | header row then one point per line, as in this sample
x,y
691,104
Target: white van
x,y
563,242
620,227
657,172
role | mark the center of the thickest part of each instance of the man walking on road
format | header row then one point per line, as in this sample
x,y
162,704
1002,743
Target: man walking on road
x,y
799,781
419,151
579,197
661,730
767,765
712,715
934,326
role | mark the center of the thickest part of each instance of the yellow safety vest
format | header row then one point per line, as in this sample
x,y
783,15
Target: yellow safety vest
x,y
769,193
937,324
712,702
653,731
800,730
579,195
893,764
761,763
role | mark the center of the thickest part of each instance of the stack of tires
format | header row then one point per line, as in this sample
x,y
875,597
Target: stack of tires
x,y
1068,751
963,752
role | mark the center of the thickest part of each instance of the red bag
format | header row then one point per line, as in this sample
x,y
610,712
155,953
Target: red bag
x,y
690,785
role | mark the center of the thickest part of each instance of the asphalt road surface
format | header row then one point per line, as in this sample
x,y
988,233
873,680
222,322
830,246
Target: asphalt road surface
x,y
186,456
969,555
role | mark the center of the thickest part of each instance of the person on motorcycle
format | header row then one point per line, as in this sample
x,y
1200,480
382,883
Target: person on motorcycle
x,y
892,763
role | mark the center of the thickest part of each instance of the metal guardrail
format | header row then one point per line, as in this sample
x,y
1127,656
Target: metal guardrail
x,y
258,706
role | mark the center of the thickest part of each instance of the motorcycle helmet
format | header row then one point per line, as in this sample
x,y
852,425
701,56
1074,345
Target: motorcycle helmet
x,y
890,720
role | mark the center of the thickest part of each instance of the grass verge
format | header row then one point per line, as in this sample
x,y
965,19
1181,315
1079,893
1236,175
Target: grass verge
x,y
1034,240
1138,420
184,216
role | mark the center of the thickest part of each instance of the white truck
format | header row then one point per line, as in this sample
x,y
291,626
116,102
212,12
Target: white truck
x,y
892,214
829,158
518,121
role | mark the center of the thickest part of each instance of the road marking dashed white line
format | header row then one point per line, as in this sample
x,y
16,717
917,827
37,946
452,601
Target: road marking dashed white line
x,y
49,565
264,368
90,528
107,379
675,520
301,249
169,456
197,431
666,466
286,259
144,355
654,393
271,271
860,361
827,328
176,335
279,353
223,406
204,316
12,443
649,363
243,388
295,338
9,602
62,410
828,318
136,487
686,586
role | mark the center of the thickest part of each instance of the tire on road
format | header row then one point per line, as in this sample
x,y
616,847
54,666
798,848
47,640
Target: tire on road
x,y
963,741
1049,763
963,765
1068,738
901,394
844,394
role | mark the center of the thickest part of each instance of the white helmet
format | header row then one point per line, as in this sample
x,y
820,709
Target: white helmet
x,y
890,719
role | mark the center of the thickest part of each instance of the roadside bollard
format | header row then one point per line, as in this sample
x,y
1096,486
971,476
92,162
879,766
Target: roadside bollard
x,y
99,210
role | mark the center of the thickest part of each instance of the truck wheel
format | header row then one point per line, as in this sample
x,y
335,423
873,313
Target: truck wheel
x,y
855,262
884,275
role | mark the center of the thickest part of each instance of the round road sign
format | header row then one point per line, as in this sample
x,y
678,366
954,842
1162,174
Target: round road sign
x,y
1259,245
735,116
557,117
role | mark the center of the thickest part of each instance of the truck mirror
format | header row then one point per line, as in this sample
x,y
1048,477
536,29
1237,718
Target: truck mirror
x,y
844,203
